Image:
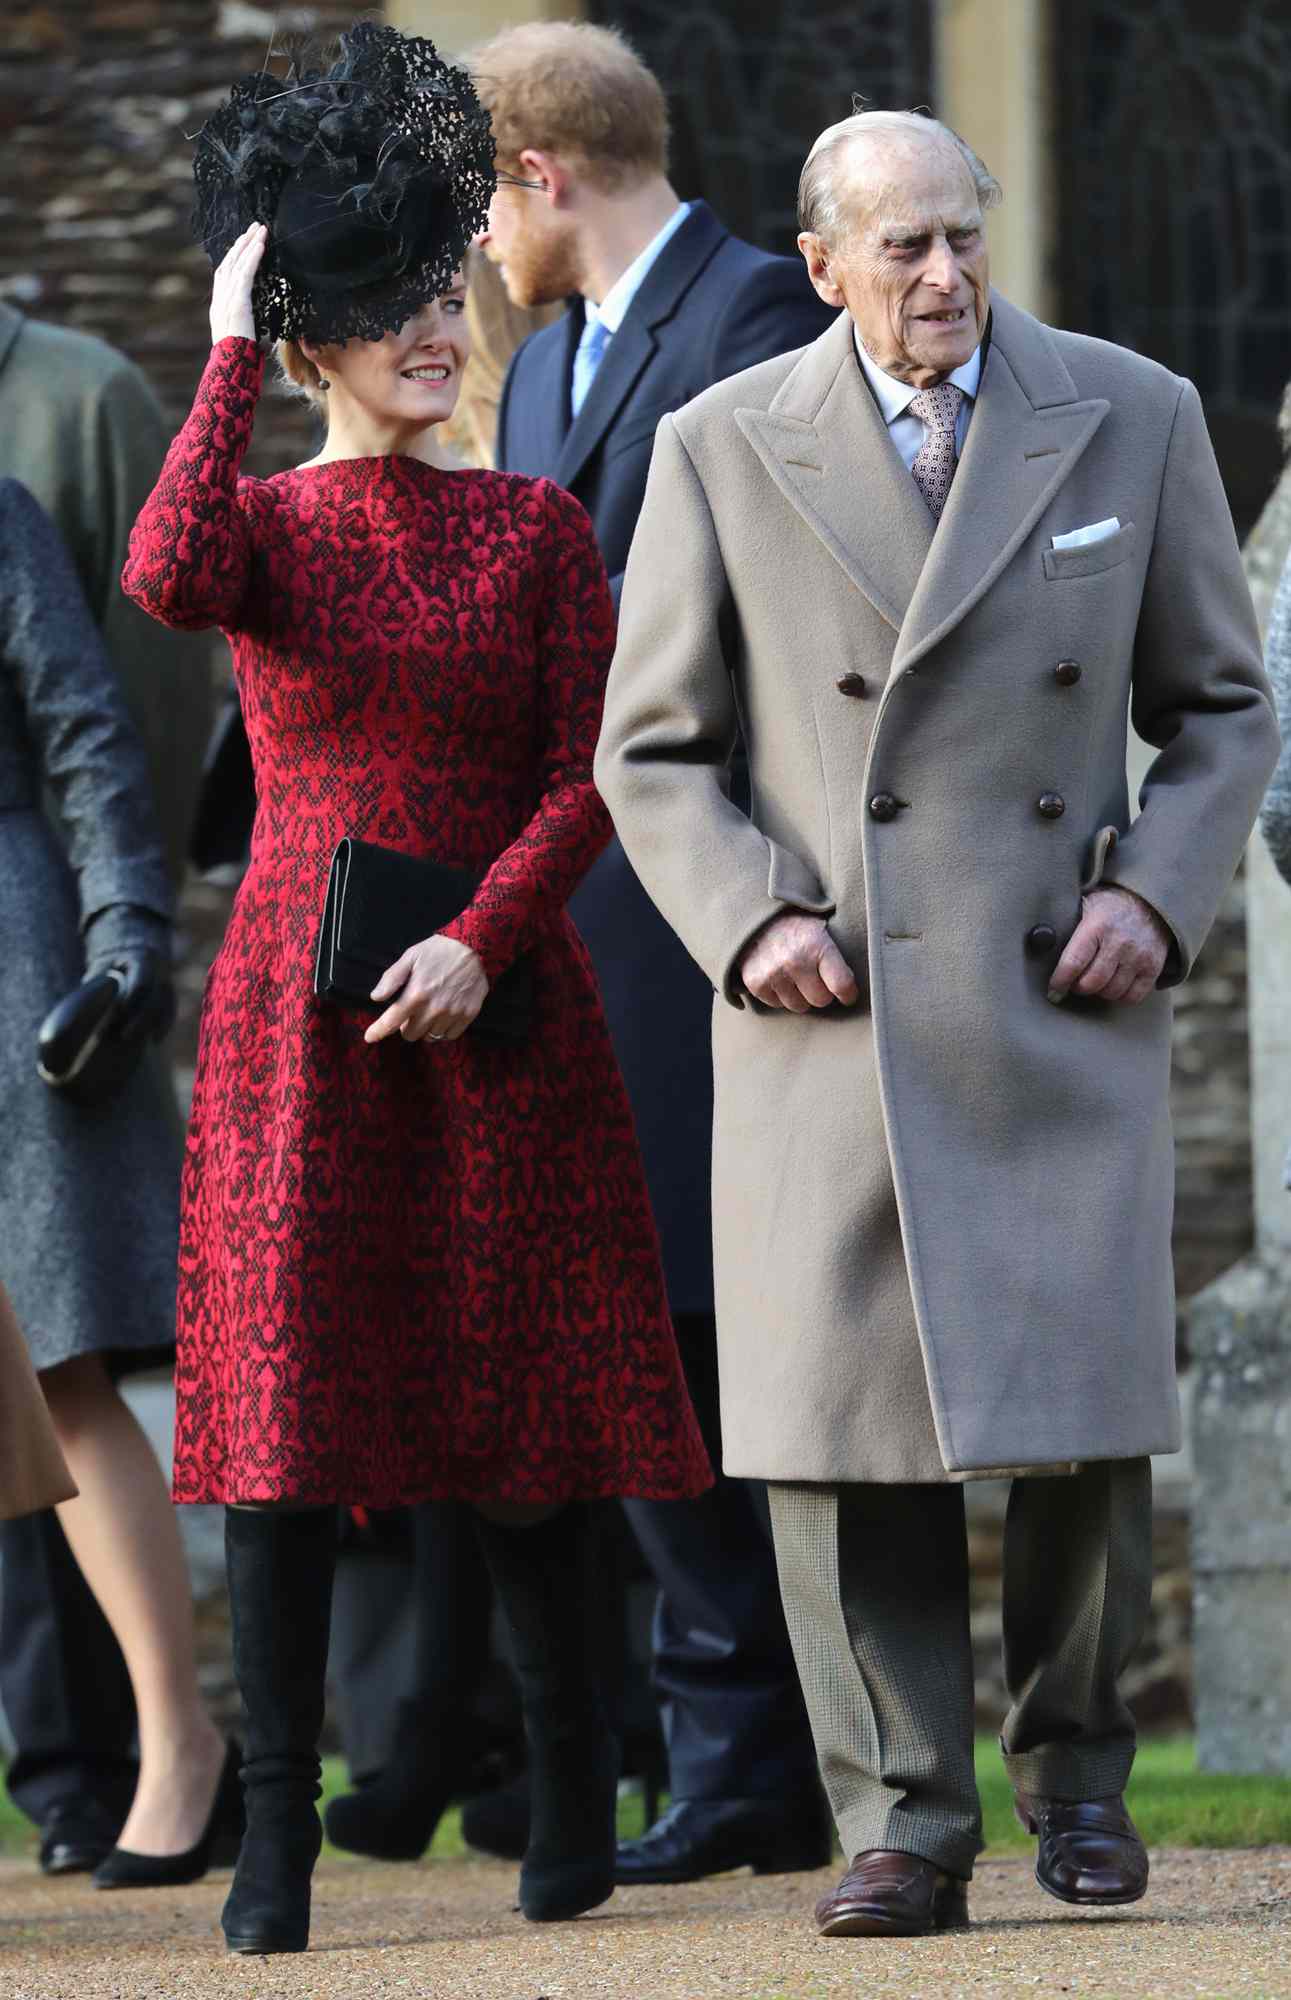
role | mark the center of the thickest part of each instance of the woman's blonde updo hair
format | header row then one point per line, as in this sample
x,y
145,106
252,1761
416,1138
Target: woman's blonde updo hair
x,y
300,376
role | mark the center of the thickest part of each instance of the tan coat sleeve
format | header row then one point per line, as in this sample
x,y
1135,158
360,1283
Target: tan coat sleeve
x,y
1200,697
670,729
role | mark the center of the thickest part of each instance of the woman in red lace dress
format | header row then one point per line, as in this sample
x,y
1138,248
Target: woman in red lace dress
x,y
414,1264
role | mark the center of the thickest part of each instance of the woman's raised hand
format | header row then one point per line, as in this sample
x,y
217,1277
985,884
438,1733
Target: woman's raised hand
x,y
231,288
437,988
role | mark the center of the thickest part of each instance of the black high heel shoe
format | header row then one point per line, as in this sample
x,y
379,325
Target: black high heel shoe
x,y
395,1816
219,1844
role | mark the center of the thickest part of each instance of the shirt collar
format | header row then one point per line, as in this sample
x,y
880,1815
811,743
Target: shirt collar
x,y
612,311
894,398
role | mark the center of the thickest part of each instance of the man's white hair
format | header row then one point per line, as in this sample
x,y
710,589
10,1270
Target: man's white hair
x,y
820,190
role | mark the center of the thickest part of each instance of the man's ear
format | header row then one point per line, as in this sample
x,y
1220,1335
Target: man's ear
x,y
818,259
551,170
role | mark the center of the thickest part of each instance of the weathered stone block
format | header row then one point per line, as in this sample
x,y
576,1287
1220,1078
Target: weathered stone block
x,y
1240,1338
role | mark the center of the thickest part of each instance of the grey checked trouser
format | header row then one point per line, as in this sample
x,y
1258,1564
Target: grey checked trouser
x,y
875,1587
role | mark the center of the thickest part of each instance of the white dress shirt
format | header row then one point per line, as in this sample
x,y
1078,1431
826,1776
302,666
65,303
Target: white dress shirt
x,y
894,399
611,312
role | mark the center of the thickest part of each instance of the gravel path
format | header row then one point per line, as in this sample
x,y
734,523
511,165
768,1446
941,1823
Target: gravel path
x,y
1213,1925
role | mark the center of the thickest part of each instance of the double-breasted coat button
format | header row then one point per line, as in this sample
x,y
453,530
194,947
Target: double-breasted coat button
x,y
883,806
853,684
1041,938
1067,673
1050,806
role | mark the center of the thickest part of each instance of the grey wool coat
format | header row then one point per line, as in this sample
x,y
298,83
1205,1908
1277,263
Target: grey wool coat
x,y
89,1195
941,1217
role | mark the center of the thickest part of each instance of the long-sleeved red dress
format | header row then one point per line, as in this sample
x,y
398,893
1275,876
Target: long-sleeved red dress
x,y
412,1270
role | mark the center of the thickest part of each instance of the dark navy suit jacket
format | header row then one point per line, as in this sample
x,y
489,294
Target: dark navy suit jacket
x,y
709,306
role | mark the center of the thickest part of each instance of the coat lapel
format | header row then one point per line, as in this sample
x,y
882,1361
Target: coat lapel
x,y
626,354
826,446
636,343
547,417
1028,432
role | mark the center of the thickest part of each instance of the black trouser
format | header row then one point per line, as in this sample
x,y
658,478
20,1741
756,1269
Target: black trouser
x,y
63,1682
724,1673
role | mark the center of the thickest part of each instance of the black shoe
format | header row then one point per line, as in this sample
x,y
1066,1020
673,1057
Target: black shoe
x,y
547,1588
395,1816
497,1822
76,1837
698,1837
220,1843
280,1595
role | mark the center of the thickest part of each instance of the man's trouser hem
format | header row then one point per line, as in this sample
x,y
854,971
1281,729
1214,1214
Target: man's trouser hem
x,y
1065,1771
902,1833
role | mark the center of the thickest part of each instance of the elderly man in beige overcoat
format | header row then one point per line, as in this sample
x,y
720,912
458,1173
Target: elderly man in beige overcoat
x,y
926,566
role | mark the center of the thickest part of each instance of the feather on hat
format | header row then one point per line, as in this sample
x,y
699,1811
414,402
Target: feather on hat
x,y
372,175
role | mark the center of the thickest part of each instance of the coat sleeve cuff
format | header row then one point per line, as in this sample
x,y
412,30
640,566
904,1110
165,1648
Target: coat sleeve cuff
x,y
1182,955
791,886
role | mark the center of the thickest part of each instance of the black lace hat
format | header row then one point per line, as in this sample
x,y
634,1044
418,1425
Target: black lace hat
x,y
373,175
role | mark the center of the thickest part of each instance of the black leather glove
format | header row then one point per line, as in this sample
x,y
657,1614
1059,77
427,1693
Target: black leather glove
x,y
90,1043
146,1010
134,944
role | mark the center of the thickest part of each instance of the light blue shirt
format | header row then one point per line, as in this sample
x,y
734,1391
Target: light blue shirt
x,y
605,319
894,399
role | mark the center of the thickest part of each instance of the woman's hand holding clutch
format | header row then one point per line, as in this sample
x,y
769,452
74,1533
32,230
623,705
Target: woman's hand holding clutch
x,y
437,988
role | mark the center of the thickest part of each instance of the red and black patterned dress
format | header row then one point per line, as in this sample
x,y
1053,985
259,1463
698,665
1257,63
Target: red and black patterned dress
x,y
413,1270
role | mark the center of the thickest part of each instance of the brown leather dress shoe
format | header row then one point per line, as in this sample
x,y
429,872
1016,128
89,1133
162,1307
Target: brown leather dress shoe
x,y
1090,1850
885,1894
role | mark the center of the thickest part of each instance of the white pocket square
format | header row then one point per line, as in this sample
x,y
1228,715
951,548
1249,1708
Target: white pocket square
x,y
1080,538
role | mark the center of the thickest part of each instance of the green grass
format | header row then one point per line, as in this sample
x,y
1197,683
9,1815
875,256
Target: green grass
x,y
1173,1804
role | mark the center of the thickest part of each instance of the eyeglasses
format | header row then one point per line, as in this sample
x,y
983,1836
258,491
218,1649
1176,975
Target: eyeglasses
x,y
513,180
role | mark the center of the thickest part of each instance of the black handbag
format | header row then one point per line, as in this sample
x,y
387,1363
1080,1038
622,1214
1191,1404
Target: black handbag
x,y
378,903
79,1052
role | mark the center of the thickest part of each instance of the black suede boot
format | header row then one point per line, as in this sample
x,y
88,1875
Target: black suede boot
x,y
432,1747
545,1581
280,1567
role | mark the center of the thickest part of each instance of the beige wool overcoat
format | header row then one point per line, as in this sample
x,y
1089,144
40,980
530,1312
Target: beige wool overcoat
x,y
941,1217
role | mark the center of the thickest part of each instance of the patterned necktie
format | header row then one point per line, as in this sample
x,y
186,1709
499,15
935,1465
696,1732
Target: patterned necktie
x,y
934,465
587,360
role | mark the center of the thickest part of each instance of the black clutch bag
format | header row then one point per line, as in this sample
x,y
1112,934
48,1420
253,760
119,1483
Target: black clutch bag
x,y
78,1050
378,903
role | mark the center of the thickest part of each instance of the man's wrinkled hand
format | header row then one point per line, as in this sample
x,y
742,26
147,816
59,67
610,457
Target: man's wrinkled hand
x,y
1117,951
795,964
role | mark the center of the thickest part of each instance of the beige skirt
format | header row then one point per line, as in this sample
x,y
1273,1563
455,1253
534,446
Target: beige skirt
x,y
33,1472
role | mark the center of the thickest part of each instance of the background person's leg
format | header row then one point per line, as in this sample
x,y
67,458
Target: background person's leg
x,y
431,1739
66,1696
736,1731
123,1532
875,1583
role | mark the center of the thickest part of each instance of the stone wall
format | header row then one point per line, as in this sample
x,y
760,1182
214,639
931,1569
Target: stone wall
x,y
97,98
